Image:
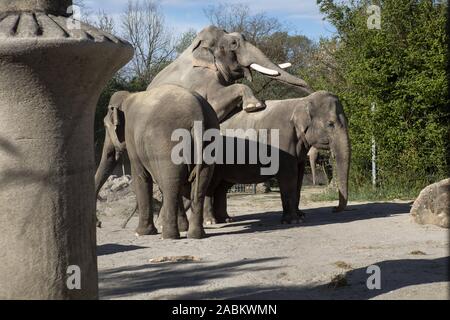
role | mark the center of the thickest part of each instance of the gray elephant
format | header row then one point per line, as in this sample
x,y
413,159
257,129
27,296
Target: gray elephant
x,y
209,66
214,61
317,120
151,118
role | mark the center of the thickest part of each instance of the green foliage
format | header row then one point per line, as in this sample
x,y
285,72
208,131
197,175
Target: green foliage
x,y
402,69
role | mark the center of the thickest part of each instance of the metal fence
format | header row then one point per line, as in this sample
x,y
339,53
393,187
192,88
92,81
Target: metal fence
x,y
243,188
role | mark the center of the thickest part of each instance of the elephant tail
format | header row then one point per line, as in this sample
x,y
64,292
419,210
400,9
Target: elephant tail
x,y
197,134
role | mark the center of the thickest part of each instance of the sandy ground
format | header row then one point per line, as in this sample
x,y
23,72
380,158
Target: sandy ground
x,y
258,258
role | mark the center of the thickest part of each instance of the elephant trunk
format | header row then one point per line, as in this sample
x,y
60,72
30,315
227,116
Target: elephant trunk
x,y
341,149
107,164
257,60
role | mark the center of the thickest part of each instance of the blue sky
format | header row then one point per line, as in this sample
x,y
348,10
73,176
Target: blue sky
x,y
302,16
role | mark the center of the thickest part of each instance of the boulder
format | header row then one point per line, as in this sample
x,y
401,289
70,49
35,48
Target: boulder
x,y
433,205
117,197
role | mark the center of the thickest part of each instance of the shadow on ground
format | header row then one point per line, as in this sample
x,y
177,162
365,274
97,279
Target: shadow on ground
x,y
270,220
131,280
111,248
395,274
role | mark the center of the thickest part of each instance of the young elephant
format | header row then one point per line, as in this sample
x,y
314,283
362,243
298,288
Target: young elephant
x,y
151,119
317,120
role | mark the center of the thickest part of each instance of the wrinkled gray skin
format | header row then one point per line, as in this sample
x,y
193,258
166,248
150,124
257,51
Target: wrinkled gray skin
x,y
211,65
148,128
317,120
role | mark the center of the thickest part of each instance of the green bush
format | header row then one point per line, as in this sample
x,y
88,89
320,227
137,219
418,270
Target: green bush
x,y
402,69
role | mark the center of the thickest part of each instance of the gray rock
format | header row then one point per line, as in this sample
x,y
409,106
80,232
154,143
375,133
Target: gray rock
x,y
117,197
433,205
121,183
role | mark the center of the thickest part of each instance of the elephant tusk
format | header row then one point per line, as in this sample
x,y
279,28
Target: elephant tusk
x,y
264,70
285,65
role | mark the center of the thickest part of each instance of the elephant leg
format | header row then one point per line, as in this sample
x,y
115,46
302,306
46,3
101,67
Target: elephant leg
x,y
209,216
143,187
199,190
289,197
208,211
226,99
105,168
220,203
183,224
170,210
301,174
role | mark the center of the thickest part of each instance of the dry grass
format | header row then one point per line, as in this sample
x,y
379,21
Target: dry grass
x,y
338,281
343,265
418,253
175,259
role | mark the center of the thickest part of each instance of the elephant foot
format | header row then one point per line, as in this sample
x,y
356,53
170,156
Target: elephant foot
x,y
286,220
209,221
301,215
196,233
226,219
146,231
183,224
251,107
170,233
338,209
289,219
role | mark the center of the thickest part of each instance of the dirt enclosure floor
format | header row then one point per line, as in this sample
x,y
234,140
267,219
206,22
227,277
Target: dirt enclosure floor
x,y
258,258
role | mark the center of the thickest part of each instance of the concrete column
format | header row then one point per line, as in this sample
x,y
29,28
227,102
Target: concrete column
x,y
51,76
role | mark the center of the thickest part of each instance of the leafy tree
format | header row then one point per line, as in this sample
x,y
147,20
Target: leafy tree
x,y
402,69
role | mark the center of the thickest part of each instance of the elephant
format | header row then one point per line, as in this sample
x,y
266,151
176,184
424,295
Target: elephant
x,y
317,120
144,122
214,61
209,66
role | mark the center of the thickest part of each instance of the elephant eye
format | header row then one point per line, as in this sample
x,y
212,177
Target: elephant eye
x,y
234,45
330,124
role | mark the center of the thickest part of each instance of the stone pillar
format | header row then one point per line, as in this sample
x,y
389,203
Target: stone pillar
x,y
51,76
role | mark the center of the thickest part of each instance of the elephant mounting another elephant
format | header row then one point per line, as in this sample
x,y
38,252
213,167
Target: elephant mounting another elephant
x,y
214,61
203,77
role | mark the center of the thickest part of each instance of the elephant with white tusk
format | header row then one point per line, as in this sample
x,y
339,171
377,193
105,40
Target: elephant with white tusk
x,y
315,121
214,61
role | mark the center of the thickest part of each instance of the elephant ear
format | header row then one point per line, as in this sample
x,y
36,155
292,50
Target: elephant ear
x,y
114,122
202,51
301,118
